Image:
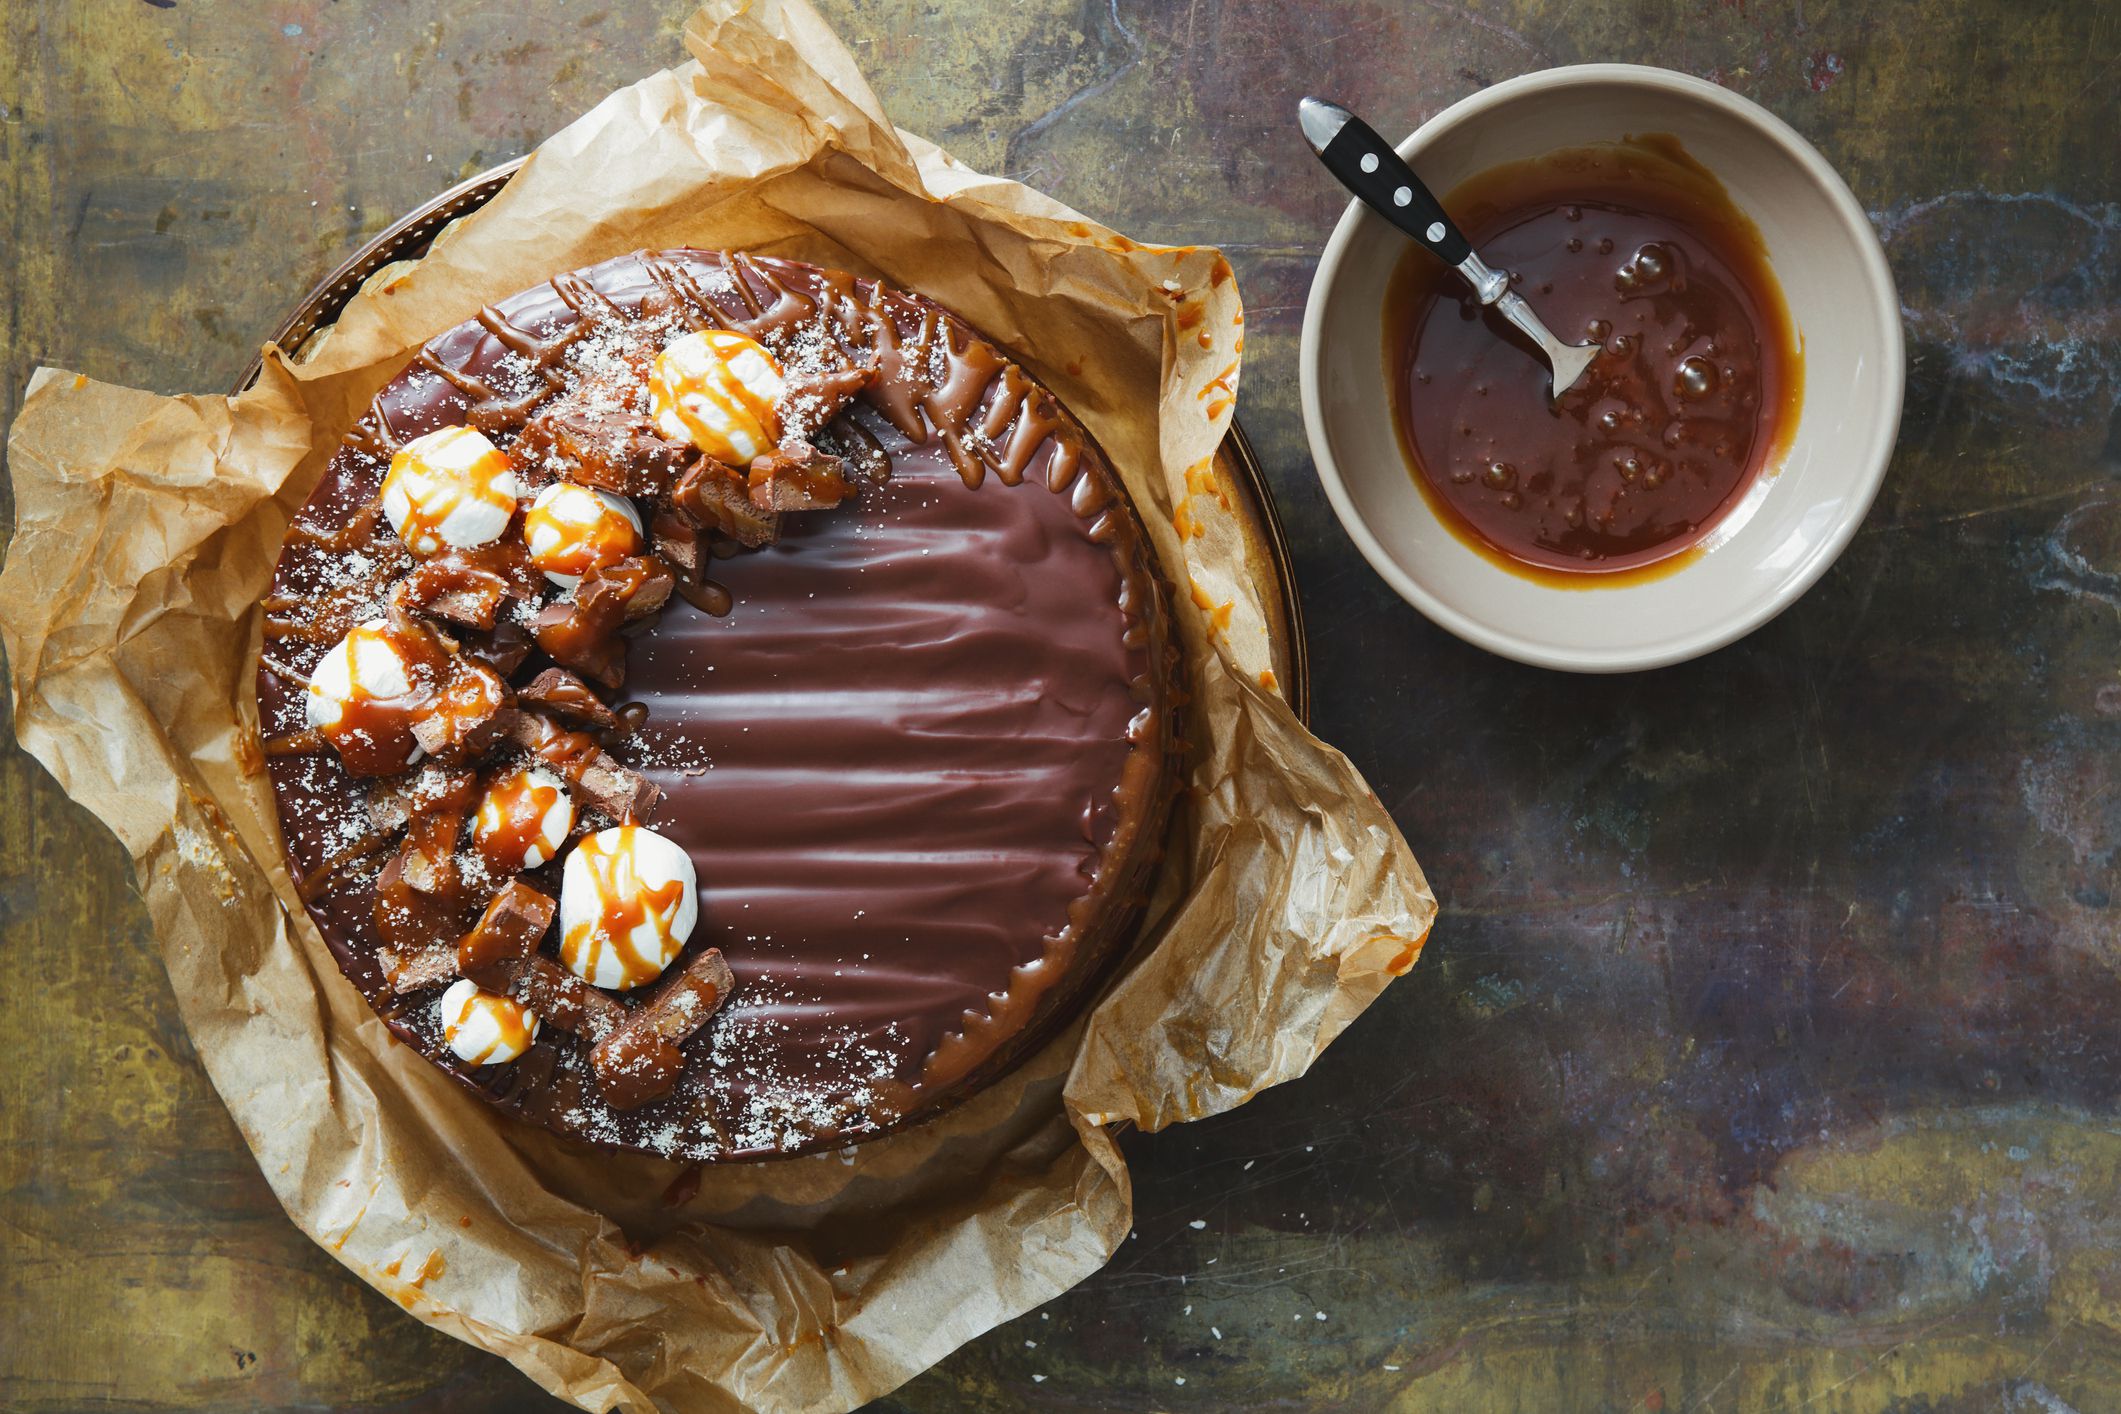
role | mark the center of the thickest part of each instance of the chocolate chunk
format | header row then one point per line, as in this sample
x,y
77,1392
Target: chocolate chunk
x,y
503,649
639,1059
796,476
597,778
582,633
389,805
570,699
467,716
810,400
512,926
599,657
410,970
677,544
863,457
469,587
554,993
418,905
716,499
611,447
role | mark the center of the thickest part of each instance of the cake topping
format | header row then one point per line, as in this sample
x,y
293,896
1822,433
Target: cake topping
x,y
367,692
524,820
572,530
627,905
485,1028
451,487
720,391
511,927
639,1058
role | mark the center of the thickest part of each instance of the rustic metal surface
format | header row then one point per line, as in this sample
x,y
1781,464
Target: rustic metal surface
x,y
1765,1055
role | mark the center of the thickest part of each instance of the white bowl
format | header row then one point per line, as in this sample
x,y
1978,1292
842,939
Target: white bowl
x,y
1764,554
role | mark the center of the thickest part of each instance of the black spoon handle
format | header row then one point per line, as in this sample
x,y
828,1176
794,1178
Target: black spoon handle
x,y
1367,166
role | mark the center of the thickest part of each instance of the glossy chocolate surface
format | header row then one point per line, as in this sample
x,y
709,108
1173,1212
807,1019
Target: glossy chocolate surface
x,y
922,765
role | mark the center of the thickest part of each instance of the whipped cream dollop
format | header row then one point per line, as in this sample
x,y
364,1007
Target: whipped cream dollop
x,y
628,902
449,489
572,530
523,820
485,1028
359,693
719,391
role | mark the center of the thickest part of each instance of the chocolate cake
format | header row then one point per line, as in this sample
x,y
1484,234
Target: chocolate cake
x,y
719,706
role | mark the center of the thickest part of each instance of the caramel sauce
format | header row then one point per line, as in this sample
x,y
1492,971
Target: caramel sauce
x,y
511,819
1636,246
513,1031
374,733
569,753
628,902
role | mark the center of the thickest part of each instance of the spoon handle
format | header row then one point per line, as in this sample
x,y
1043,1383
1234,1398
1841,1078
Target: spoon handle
x,y
1367,166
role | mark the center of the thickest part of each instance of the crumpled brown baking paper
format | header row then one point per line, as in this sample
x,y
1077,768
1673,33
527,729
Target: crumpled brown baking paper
x,y
148,527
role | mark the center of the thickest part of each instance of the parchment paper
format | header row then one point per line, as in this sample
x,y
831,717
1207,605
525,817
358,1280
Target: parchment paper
x,y
148,527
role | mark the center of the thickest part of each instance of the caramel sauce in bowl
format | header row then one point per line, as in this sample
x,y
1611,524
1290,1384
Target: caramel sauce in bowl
x,y
1720,452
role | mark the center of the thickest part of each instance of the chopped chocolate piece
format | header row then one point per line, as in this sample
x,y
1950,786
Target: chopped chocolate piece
x,y
389,805
419,895
796,476
582,633
512,926
570,699
612,448
856,446
410,970
810,400
598,778
503,649
717,500
677,544
469,587
467,716
639,1059
554,993
412,912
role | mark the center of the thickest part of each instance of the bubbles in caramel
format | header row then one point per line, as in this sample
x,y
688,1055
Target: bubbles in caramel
x,y
572,530
485,1028
627,905
719,391
524,819
451,489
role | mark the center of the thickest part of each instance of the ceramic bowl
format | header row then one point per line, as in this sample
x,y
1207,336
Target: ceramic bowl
x,y
1798,517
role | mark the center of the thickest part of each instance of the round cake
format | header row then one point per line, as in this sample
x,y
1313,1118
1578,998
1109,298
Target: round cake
x,y
719,707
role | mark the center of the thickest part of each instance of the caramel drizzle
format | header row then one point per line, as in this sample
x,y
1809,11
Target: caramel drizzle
x,y
937,382
686,297
283,672
353,535
306,742
319,881
706,596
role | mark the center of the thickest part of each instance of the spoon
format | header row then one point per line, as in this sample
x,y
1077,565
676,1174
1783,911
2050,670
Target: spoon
x,y
1367,166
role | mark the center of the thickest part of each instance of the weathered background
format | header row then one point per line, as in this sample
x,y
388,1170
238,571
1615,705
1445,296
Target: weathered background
x,y
1766,1054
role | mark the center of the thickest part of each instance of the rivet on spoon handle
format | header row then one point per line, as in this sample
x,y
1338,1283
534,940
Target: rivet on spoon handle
x,y
1366,165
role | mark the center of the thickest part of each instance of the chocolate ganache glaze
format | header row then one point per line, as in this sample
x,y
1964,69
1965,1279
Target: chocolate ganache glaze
x,y
918,744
